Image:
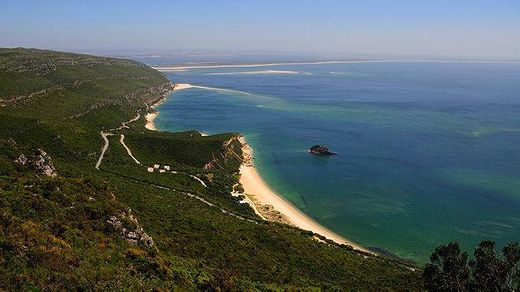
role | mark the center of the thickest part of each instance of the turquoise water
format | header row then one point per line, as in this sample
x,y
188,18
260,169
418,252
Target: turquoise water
x,y
428,152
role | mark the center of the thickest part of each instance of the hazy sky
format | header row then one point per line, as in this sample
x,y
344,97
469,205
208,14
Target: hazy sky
x,y
467,28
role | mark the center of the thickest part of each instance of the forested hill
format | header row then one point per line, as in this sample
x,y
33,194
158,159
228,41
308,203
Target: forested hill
x,y
90,199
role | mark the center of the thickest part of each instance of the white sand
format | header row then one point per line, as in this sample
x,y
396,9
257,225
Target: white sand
x,y
181,86
188,67
256,188
149,121
184,68
150,117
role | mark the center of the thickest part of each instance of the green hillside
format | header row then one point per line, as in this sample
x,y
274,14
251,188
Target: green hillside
x,y
66,225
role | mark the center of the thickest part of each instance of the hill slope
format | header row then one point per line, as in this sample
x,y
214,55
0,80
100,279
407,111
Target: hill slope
x,y
66,224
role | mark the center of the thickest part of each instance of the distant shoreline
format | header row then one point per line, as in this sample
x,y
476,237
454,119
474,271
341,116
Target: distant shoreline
x,y
266,203
165,68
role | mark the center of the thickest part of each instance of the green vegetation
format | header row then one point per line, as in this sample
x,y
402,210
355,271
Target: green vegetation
x,y
450,270
123,226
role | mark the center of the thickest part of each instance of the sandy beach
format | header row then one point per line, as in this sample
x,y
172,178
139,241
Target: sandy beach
x,y
150,121
268,204
189,67
274,207
150,117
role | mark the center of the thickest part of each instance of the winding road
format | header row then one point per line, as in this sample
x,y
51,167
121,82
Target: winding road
x,y
122,140
105,147
107,143
124,125
105,135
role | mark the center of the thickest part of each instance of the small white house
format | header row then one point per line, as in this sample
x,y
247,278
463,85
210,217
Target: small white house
x,y
162,170
156,166
167,167
150,169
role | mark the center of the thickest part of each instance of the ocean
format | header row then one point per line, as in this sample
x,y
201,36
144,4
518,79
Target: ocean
x,y
428,152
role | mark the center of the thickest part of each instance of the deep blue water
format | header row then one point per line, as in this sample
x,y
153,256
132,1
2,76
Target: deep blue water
x,y
428,152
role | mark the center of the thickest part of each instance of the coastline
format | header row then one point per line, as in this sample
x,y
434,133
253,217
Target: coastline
x,y
189,67
152,115
265,202
274,207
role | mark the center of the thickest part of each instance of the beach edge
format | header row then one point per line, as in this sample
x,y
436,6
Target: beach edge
x,y
153,113
265,202
268,202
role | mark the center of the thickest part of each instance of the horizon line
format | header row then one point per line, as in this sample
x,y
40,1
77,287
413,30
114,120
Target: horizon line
x,y
170,67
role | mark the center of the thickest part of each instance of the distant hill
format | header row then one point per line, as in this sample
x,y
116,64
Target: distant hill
x,y
151,216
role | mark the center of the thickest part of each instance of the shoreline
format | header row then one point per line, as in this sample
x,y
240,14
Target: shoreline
x,y
151,116
263,200
274,207
166,68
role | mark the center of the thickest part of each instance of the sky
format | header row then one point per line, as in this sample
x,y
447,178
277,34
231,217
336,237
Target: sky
x,y
445,28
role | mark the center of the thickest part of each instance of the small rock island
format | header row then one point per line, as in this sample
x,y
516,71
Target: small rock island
x,y
320,150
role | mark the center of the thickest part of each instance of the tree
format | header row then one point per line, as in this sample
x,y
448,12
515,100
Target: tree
x,y
448,269
488,271
496,274
511,255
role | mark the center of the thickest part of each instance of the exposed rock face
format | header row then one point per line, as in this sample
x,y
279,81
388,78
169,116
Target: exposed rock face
x,y
228,152
271,214
129,228
320,150
159,91
40,162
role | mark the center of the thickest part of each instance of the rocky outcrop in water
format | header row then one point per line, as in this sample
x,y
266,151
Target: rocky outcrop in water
x,y
320,150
